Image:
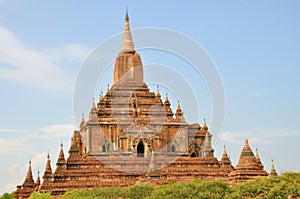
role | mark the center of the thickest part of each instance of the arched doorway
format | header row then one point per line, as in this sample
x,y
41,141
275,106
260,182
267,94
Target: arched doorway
x,y
140,149
193,155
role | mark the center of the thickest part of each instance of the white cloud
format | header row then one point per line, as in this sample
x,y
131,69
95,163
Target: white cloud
x,y
258,136
13,168
21,142
15,145
72,52
25,143
38,163
13,131
24,65
58,130
17,173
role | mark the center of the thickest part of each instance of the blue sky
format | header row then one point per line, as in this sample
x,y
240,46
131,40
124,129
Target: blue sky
x,y
255,46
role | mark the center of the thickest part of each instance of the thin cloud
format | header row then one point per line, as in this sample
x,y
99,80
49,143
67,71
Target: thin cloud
x,y
58,130
27,66
72,52
17,172
258,136
17,144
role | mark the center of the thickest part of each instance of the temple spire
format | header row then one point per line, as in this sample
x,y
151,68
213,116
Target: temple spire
x,y
258,159
82,122
273,172
247,158
206,149
107,88
179,113
61,155
82,117
61,162
167,106
38,180
157,92
93,112
101,96
224,152
178,106
225,161
127,43
29,182
93,104
205,125
207,142
48,170
29,171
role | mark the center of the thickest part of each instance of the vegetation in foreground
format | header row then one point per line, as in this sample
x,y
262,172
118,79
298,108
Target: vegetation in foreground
x,y
280,187
7,195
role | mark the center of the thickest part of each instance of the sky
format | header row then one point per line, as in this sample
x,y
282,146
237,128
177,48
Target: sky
x,y
254,45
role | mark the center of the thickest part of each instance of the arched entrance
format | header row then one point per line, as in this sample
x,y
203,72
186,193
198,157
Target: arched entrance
x,y
140,149
193,155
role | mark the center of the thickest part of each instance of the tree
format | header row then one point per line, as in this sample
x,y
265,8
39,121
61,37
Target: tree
x,y
7,195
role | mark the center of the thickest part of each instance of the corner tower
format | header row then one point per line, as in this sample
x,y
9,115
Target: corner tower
x,y
128,66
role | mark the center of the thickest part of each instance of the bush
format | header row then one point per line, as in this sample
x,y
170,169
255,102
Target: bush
x,y
280,187
36,195
7,195
99,193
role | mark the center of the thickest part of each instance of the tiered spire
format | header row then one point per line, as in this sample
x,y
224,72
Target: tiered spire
x,y
93,112
61,162
101,104
48,170
107,88
101,96
157,95
127,43
167,106
29,182
207,143
75,145
82,122
225,161
38,180
179,113
205,125
273,172
247,167
61,155
247,158
128,66
206,147
258,159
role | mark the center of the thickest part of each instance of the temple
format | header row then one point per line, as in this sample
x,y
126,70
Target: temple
x,y
132,136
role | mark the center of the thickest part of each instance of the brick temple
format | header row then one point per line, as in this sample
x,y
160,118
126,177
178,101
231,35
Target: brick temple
x,y
132,136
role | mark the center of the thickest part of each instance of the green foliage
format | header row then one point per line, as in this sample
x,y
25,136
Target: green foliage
x,y
280,187
36,195
7,195
269,188
139,191
99,193
196,189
